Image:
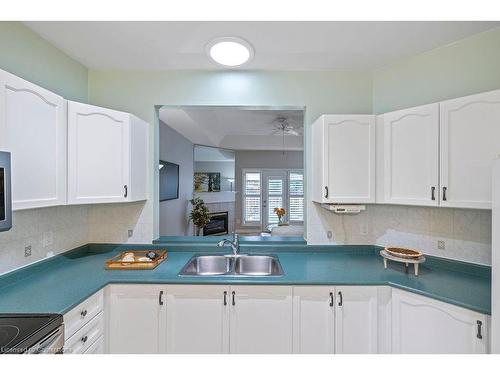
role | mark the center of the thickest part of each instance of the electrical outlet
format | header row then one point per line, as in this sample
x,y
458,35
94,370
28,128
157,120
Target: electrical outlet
x,y
47,238
130,233
363,229
329,234
27,251
441,245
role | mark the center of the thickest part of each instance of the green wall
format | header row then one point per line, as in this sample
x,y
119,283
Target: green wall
x,y
139,92
27,55
462,68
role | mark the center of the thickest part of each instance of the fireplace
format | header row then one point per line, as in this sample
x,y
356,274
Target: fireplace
x,y
218,224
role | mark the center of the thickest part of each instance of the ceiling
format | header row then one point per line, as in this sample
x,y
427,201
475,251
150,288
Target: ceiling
x,y
235,128
339,45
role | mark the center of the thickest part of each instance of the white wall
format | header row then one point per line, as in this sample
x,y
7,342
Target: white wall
x,y
177,149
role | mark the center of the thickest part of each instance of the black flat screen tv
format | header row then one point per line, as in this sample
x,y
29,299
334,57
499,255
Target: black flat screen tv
x,y
169,181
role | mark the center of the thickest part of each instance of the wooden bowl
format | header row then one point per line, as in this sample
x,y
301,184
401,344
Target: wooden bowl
x,y
403,252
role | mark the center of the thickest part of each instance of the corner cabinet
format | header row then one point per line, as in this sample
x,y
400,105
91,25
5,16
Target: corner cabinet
x,y
33,128
107,155
136,319
422,325
343,159
411,156
469,143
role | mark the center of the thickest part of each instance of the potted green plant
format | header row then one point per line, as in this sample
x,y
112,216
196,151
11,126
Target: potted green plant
x,y
199,214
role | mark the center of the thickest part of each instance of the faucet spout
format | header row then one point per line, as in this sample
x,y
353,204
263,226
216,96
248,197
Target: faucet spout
x,y
235,244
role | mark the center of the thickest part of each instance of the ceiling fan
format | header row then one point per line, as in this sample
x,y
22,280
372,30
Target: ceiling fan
x,y
284,126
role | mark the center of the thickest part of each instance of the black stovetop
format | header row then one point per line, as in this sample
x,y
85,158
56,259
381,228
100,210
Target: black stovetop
x,y
24,330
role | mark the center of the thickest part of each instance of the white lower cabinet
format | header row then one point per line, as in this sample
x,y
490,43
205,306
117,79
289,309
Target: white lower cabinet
x,y
313,319
261,319
425,325
136,316
197,319
97,347
361,319
146,318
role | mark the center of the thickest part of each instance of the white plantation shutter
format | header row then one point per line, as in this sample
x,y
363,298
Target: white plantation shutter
x,y
252,195
296,194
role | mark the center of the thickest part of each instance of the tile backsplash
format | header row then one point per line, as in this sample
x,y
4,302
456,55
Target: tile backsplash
x,y
50,231
65,226
54,230
466,233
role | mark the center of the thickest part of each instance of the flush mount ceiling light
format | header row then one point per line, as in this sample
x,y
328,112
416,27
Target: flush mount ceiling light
x,y
230,51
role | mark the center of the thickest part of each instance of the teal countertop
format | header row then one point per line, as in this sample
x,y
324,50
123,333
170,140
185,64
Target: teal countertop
x,y
60,283
244,240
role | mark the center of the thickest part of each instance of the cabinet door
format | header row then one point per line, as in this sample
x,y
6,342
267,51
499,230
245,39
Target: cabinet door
x,y
136,317
470,130
197,319
98,154
261,319
356,320
426,326
350,144
33,127
313,319
411,156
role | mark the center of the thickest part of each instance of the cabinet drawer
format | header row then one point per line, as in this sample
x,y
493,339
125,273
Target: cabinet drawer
x,y
82,340
82,314
97,347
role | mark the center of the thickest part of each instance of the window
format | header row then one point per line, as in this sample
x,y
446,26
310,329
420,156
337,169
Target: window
x,y
296,194
252,197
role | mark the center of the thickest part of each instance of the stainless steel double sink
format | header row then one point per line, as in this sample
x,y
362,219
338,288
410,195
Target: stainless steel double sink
x,y
230,265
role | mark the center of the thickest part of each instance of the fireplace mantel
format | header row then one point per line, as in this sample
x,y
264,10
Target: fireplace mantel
x,y
217,197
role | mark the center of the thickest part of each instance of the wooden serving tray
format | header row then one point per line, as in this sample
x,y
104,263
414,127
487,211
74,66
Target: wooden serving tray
x,y
403,252
117,263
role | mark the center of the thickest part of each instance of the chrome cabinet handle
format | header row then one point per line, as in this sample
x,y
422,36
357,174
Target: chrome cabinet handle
x,y
479,326
125,187
340,298
225,296
84,339
433,193
326,191
444,193
331,298
234,302
83,313
160,298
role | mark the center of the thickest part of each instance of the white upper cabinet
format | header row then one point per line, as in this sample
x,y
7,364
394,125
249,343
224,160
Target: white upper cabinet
x,y
261,319
422,325
197,319
313,319
411,156
470,142
343,159
107,155
33,128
